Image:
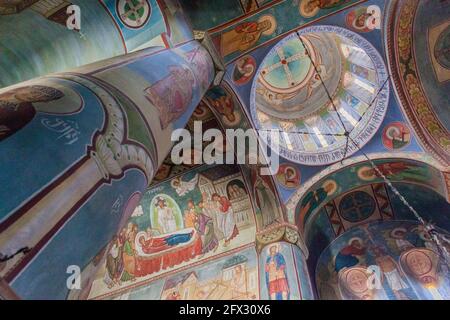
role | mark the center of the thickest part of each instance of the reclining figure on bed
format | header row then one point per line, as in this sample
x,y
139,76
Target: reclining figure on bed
x,y
153,244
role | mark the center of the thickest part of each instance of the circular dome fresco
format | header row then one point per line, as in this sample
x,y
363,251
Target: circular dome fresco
x,y
289,95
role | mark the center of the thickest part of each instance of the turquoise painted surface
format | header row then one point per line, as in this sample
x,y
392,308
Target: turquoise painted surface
x,y
136,37
399,284
43,146
207,14
79,241
52,46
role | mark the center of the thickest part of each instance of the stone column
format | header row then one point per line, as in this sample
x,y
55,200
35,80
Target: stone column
x,y
78,148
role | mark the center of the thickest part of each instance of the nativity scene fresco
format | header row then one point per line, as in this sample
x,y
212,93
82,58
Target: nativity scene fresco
x,y
106,124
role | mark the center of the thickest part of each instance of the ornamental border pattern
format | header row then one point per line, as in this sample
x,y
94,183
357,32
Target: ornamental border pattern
x,y
433,136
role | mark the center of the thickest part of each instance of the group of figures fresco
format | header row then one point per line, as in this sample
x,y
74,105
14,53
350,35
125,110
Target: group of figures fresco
x,y
396,260
234,39
195,218
206,211
243,275
192,236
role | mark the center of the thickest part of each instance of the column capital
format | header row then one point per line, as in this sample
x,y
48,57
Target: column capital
x,y
285,233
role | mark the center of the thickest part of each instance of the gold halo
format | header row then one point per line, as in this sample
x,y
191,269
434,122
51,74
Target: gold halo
x,y
365,178
357,239
333,184
303,12
273,23
276,244
392,129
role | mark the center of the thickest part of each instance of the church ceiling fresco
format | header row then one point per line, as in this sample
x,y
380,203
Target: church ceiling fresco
x,y
400,170
109,28
289,94
418,52
393,133
368,204
194,232
409,261
348,54
236,38
313,70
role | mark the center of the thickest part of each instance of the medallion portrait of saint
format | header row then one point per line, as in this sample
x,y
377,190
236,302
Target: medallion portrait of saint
x,y
17,107
245,35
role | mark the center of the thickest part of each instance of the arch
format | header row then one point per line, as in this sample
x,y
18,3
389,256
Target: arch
x,y
406,60
336,180
399,244
236,189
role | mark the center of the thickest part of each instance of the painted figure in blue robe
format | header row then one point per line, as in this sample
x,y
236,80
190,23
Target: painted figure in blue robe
x,y
158,244
276,277
348,256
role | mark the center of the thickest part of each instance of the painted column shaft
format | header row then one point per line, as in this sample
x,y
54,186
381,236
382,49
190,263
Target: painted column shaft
x,y
78,148
45,36
285,274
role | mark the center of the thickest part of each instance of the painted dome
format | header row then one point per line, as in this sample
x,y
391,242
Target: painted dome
x,y
289,94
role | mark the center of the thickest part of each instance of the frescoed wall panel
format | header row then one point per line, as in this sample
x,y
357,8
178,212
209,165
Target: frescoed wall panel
x,y
232,277
345,179
77,243
243,35
410,264
139,22
189,218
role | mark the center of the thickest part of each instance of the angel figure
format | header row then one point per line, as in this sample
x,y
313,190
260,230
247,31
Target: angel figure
x,y
184,187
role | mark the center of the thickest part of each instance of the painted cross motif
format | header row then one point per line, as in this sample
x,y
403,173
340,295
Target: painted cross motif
x,y
357,206
134,13
285,62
